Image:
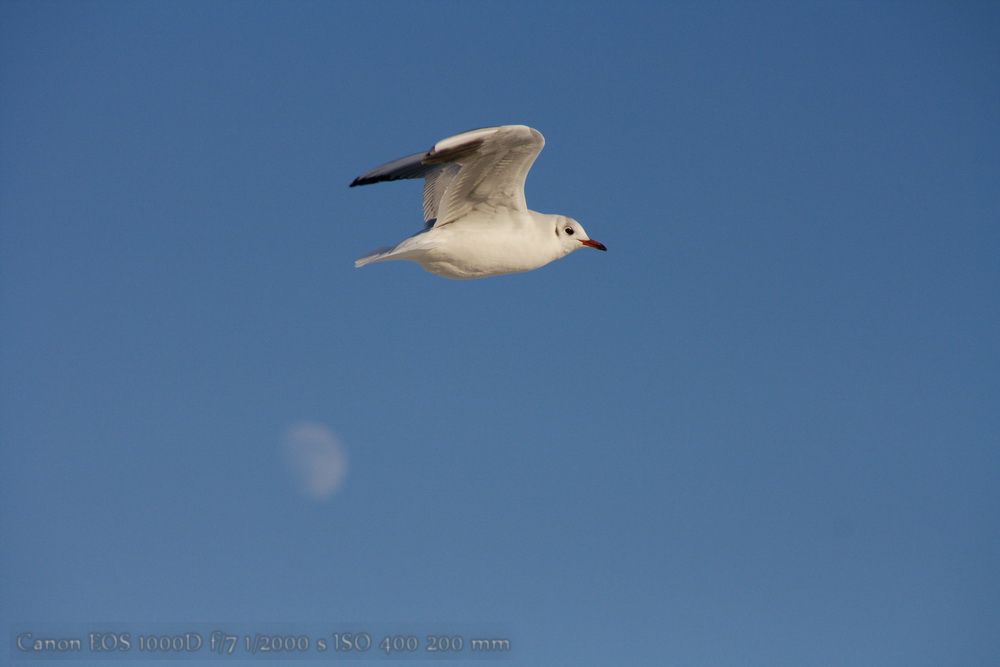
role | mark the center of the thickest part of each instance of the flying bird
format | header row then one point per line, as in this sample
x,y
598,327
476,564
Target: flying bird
x,y
476,222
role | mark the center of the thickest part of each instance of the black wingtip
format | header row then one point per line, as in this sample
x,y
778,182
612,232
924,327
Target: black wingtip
x,y
365,179
411,166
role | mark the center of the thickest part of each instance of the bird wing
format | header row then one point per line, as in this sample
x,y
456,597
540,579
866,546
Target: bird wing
x,y
482,168
436,184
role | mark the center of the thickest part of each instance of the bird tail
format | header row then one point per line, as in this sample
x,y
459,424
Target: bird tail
x,y
412,248
375,256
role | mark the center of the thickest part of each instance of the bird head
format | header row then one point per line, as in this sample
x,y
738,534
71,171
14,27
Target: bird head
x,y
572,236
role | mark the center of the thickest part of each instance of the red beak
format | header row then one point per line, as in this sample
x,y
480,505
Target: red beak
x,y
594,244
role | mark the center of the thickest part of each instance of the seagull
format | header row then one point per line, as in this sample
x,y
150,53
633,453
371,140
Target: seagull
x,y
476,222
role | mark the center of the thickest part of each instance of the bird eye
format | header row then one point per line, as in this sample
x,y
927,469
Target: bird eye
x,y
569,231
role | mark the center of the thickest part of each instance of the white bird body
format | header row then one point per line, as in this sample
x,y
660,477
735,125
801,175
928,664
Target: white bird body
x,y
477,223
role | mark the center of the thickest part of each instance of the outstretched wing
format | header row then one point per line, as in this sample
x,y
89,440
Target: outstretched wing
x,y
482,168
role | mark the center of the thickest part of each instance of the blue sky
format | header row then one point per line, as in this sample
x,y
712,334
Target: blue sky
x,y
762,428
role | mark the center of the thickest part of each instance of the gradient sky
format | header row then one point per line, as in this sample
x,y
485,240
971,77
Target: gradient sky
x,y
761,429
